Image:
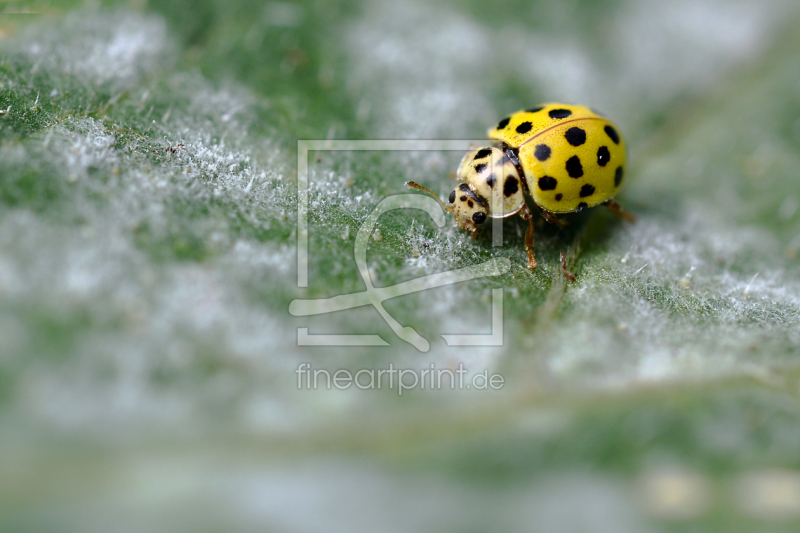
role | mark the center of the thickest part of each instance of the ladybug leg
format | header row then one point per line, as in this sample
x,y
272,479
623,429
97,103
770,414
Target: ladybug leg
x,y
551,218
616,208
526,214
567,274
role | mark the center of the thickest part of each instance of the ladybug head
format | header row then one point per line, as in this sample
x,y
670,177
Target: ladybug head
x,y
469,210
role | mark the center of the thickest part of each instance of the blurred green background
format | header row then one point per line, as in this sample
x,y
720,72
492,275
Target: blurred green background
x,y
148,167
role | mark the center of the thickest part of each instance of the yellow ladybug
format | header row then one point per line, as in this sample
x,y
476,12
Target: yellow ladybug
x,y
566,157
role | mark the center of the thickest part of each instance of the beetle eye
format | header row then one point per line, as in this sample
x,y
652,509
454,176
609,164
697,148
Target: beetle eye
x,y
452,197
479,217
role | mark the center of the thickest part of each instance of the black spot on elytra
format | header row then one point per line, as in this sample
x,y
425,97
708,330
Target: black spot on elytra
x,y
574,167
470,204
482,153
612,134
479,217
603,156
618,176
535,109
480,167
559,196
525,127
491,180
546,183
503,123
463,198
582,206
575,136
587,190
511,187
542,152
452,197
559,113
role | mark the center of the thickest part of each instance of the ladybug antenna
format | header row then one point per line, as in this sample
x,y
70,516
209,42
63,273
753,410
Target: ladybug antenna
x,y
448,208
